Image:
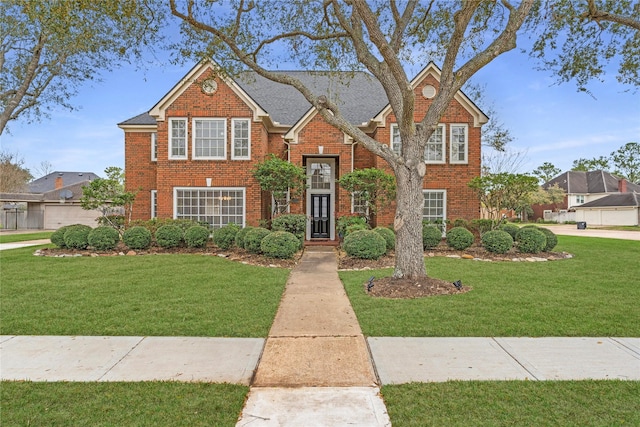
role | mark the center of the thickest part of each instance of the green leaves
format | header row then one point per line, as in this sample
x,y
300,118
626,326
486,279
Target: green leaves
x,y
279,177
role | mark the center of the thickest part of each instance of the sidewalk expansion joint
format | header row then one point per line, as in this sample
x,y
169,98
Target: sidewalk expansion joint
x,y
121,359
506,350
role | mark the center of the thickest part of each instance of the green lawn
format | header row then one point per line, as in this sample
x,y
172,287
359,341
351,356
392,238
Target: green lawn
x,y
594,294
11,238
155,295
121,404
514,403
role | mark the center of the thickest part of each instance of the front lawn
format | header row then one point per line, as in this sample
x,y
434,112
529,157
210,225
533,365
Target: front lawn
x,y
154,295
12,238
593,294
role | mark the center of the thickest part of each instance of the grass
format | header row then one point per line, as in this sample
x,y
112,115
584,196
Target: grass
x,y
161,295
121,404
12,238
593,294
509,403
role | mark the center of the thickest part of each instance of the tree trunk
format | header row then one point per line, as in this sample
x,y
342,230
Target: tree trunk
x,y
408,223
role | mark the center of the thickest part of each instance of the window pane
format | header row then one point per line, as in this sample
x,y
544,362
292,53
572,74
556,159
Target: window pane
x,y
320,176
216,207
241,138
209,138
434,151
458,143
396,144
178,138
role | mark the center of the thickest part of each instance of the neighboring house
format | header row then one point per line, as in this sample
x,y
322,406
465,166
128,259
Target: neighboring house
x,y
614,209
192,154
582,188
49,203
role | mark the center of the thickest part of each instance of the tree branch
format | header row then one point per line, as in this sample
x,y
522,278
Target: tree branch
x,y
597,15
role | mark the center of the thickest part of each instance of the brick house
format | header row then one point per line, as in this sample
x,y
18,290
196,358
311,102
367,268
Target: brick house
x,y
192,154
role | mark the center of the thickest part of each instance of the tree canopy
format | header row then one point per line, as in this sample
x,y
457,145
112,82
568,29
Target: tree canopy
x,y
14,177
373,186
49,47
284,180
108,196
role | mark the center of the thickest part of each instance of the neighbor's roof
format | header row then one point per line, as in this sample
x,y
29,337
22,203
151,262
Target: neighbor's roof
x,y
48,182
581,182
614,200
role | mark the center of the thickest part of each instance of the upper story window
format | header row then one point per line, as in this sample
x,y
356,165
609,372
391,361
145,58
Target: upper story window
x,y
459,144
579,199
154,146
209,139
434,151
396,143
241,143
177,138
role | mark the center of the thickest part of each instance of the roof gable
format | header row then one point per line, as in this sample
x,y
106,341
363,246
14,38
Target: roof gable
x,y
48,182
613,200
589,182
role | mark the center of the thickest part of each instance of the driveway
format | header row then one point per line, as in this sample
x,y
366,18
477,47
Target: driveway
x,y
572,230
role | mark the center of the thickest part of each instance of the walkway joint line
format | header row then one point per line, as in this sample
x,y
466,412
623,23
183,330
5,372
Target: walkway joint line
x,y
121,359
515,359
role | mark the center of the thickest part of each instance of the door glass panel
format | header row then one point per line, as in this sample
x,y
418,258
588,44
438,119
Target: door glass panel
x,y
320,176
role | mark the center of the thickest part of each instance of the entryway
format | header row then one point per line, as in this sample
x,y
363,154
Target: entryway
x,y
320,203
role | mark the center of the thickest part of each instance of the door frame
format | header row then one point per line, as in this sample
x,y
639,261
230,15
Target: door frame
x,y
331,161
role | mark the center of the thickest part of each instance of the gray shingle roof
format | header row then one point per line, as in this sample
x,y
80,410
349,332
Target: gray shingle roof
x,y
48,182
581,182
617,200
359,96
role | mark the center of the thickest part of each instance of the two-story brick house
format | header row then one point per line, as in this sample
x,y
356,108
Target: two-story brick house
x,y
192,154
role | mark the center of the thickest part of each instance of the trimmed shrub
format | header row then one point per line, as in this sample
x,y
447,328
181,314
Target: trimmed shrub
x,y
295,224
57,237
280,244
240,235
461,222
253,239
459,238
196,236
365,244
552,239
530,240
154,223
355,227
77,236
137,237
481,225
103,238
497,241
169,236
225,237
344,221
388,235
431,235
512,229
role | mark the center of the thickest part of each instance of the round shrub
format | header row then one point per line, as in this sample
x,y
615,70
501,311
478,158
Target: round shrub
x,y
253,239
240,235
77,236
137,237
530,240
169,236
225,237
552,239
355,227
196,236
103,238
512,229
344,221
497,241
57,237
280,244
293,223
431,236
365,244
388,235
459,238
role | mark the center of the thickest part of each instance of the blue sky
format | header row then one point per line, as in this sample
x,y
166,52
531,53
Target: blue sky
x,y
549,122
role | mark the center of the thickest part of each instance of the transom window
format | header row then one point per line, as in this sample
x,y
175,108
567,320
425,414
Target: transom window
x,y
241,144
215,206
177,138
320,176
209,139
434,151
459,145
435,206
396,143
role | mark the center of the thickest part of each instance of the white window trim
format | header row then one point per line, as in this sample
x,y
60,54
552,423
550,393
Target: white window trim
x,y
154,201
154,146
242,189
466,143
353,207
444,148
186,138
193,138
233,139
444,204
393,127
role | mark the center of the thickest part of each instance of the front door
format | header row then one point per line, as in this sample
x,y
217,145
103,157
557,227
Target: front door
x,y
320,216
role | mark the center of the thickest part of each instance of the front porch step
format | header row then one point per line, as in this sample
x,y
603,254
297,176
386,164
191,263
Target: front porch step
x,y
321,242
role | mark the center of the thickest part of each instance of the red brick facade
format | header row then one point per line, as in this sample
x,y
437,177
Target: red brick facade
x,y
188,101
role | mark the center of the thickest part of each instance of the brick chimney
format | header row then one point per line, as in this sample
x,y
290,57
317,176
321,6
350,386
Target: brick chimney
x,y
622,185
59,182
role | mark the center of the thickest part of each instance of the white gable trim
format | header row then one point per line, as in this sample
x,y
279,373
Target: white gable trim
x,y
479,118
292,135
158,110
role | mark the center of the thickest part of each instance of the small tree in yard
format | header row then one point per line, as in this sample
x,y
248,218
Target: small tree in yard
x,y
503,191
280,178
107,195
375,187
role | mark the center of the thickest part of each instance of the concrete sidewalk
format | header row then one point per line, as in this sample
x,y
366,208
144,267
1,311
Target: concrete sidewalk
x,y
16,245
